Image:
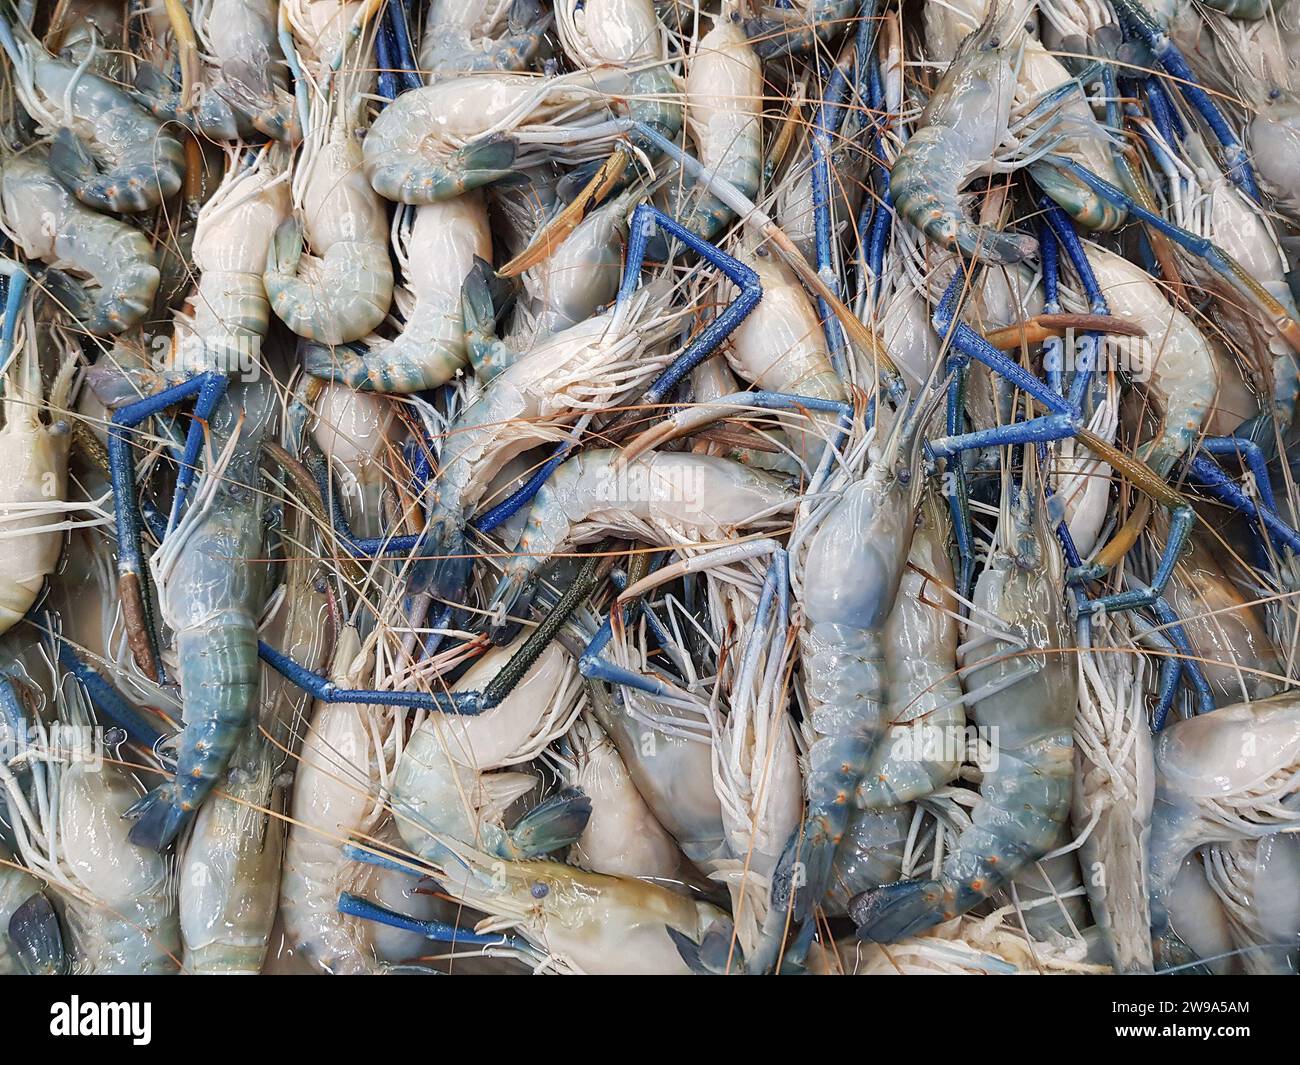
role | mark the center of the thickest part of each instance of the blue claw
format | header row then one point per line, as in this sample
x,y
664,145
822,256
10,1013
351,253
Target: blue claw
x,y
109,702
1138,20
435,931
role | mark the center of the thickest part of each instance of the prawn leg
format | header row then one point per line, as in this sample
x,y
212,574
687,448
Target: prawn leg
x,y
487,353
1214,257
646,220
875,221
690,419
1252,457
469,703
594,667
1063,421
434,931
1063,231
784,30
1189,666
398,69
359,547
109,702
1221,487
1138,20
1060,423
36,938
206,389
826,125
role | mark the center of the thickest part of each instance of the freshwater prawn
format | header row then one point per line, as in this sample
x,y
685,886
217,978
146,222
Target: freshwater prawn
x,y
106,148
1025,798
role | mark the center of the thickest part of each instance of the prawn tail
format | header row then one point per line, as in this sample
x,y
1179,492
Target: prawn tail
x,y
348,300
483,162
993,246
159,818
71,163
219,682
550,826
408,178
527,25
934,207
892,912
156,92
1024,806
443,561
802,875
118,307
130,188
481,303
393,369
800,880
716,954
36,938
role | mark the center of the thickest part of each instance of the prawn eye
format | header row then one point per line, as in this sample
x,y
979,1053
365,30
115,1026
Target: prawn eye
x,y
1273,94
540,890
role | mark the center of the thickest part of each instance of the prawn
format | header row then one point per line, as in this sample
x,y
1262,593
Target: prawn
x,y
668,498
1025,797
956,138
577,369
443,787
724,96
48,223
117,902
228,313
211,597
466,36
341,290
1223,777
107,149
34,477
437,252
